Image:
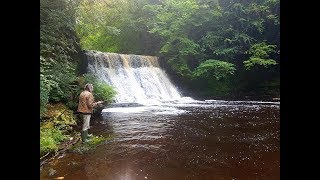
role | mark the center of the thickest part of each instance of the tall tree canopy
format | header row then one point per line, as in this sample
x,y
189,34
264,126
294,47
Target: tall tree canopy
x,y
190,34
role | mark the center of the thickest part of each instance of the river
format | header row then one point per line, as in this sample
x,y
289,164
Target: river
x,y
190,139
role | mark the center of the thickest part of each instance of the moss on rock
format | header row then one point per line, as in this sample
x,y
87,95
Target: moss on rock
x,y
60,115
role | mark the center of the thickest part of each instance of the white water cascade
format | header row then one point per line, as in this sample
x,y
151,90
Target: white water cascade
x,y
136,78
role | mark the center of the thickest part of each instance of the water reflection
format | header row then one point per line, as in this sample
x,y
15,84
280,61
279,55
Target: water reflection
x,y
190,140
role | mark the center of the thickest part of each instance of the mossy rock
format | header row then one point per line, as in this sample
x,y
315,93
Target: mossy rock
x,y
47,125
60,115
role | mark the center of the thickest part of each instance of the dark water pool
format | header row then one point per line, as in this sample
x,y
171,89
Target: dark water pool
x,y
190,140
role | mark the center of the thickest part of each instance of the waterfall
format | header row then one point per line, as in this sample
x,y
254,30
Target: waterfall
x,y
136,78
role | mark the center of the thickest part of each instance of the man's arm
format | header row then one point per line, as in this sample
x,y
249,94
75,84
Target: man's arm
x,y
96,103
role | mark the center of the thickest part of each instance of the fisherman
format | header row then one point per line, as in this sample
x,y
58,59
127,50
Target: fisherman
x,y
85,108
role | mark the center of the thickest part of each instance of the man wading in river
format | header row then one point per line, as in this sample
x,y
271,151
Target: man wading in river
x,y
85,108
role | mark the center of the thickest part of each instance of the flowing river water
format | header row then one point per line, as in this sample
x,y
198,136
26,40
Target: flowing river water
x,y
180,140
159,134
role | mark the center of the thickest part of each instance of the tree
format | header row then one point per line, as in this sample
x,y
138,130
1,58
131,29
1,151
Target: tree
x,y
187,33
260,56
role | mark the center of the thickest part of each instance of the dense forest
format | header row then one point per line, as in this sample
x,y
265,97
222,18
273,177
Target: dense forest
x,y
213,48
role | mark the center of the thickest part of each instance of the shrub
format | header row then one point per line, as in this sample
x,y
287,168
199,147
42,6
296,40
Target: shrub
x,y
260,56
44,95
102,91
49,140
214,69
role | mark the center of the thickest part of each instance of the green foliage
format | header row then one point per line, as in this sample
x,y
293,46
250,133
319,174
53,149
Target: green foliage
x,y
219,87
63,75
186,33
104,92
113,26
226,44
261,50
44,95
49,140
217,75
253,61
180,66
171,17
173,20
93,26
59,120
184,46
101,90
214,69
179,49
260,56
58,49
59,116
241,25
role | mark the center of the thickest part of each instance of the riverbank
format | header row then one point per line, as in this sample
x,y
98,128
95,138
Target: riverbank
x,y
60,132
56,130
